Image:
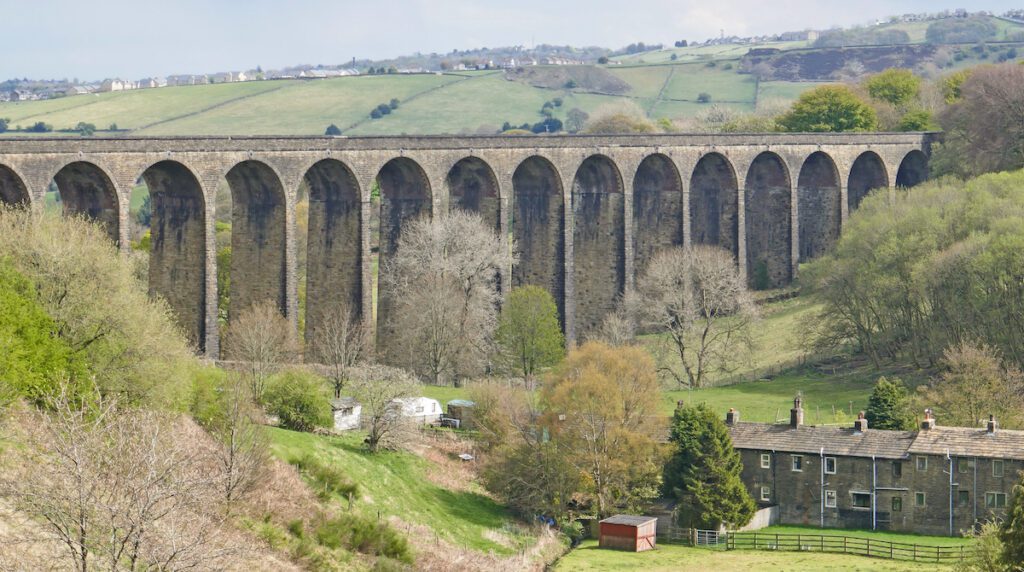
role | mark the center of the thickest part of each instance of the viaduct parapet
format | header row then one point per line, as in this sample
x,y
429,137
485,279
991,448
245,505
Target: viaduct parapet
x,y
586,212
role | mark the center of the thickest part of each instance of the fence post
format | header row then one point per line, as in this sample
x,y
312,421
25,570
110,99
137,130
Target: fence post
x,y
869,547
915,553
845,541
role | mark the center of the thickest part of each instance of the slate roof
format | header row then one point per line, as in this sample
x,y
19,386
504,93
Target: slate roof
x,y
958,441
970,442
810,439
628,520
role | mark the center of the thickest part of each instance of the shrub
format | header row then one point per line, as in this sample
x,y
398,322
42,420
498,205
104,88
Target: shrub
x,y
299,400
332,129
704,97
365,535
327,480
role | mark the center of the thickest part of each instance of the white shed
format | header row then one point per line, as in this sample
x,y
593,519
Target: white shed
x,y
347,412
422,410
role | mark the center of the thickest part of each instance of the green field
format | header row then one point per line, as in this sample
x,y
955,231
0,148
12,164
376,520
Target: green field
x,y
396,484
589,558
918,539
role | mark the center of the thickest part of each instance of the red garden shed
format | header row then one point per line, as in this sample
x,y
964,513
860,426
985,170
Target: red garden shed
x,y
626,532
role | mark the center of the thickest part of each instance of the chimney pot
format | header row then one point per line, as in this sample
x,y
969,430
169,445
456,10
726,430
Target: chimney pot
x,y
861,424
929,421
732,417
992,424
796,415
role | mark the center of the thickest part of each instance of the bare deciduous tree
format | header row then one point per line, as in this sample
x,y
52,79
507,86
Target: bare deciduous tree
x,y
697,298
444,283
377,388
262,339
117,489
342,341
243,455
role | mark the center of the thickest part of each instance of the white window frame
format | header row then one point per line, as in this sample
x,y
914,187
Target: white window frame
x,y
854,505
766,494
766,460
831,499
1002,470
794,460
995,496
833,461
923,497
918,463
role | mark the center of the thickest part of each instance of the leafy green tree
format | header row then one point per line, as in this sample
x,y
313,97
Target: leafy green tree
x,y
897,86
4,123
1011,531
703,472
299,399
533,478
918,120
829,108
35,361
85,129
889,406
528,333
332,130
575,119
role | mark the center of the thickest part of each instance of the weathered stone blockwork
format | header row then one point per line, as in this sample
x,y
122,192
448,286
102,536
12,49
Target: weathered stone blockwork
x,y
667,189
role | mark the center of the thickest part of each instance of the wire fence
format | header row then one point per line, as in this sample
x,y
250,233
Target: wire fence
x,y
847,545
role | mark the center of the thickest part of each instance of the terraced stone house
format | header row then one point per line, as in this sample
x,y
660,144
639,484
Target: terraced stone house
x,y
934,480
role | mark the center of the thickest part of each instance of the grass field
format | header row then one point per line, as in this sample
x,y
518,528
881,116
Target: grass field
x,y
397,484
589,558
919,539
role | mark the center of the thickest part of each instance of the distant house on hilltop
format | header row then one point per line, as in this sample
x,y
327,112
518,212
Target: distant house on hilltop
x,y
116,85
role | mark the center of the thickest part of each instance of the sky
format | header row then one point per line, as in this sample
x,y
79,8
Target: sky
x,y
132,39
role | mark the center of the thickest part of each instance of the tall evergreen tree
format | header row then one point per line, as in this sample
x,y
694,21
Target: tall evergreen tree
x,y
1011,531
703,473
889,406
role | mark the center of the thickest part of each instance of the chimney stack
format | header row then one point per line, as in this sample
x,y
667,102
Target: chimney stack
x,y
929,420
861,424
732,417
992,424
796,415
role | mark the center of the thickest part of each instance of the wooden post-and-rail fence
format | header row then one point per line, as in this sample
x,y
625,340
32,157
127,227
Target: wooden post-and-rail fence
x,y
847,545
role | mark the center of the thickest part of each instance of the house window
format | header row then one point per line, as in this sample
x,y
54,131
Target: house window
x,y
861,500
922,463
995,500
997,468
346,411
419,409
897,469
897,504
964,465
830,465
919,498
798,463
963,498
830,499
766,493
766,461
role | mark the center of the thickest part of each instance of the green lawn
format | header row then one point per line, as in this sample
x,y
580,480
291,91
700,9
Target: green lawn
x,y
919,539
589,558
396,484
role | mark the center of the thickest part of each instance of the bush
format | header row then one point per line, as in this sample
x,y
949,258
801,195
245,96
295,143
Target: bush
x,y
299,399
704,97
327,480
365,535
40,127
332,129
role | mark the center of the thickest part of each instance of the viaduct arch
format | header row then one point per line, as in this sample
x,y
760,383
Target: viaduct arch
x,y
586,213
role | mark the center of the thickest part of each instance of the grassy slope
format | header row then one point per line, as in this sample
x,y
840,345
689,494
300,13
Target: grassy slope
x,y
589,558
396,484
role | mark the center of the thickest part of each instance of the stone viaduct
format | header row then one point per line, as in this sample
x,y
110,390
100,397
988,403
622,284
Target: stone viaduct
x,y
586,212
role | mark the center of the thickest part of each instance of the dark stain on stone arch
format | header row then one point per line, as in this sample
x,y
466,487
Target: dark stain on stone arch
x,y
657,209
404,196
538,216
177,260
86,190
867,174
334,249
598,242
258,219
768,229
819,204
913,170
473,187
13,191
714,203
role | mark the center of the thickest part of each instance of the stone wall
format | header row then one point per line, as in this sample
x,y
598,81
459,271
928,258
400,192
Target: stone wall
x,y
669,189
